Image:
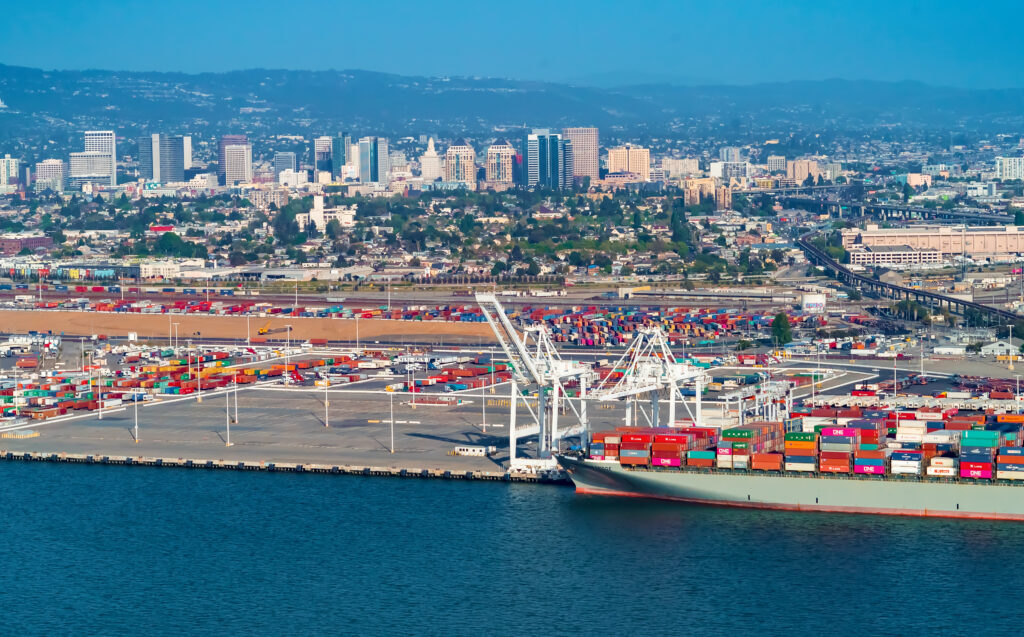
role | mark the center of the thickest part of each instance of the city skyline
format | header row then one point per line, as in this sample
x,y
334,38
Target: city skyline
x,y
791,41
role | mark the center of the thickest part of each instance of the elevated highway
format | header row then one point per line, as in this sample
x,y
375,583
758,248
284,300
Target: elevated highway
x,y
899,292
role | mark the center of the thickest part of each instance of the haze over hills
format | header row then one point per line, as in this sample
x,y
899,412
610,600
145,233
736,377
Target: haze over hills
x,y
368,101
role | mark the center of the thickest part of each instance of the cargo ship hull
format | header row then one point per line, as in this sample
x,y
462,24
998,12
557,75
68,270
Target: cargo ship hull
x,y
801,492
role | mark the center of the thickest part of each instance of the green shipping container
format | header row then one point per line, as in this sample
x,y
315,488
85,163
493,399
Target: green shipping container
x,y
737,433
802,436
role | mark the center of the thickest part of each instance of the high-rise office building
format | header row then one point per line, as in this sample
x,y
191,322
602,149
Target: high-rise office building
x,y
50,174
549,160
284,161
729,170
323,150
501,159
630,159
776,163
585,151
187,151
340,144
88,167
460,164
729,153
104,142
8,170
162,158
673,167
225,141
374,164
800,169
1009,168
237,164
430,163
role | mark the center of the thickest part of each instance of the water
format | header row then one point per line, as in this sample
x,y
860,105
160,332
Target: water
x,y
117,550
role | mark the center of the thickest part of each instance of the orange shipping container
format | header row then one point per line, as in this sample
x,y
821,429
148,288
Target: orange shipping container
x,y
801,444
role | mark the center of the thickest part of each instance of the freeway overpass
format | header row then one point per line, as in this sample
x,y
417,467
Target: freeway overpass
x,y
892,210
899,292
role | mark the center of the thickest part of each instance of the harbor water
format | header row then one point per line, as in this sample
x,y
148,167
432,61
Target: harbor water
x,y
119,550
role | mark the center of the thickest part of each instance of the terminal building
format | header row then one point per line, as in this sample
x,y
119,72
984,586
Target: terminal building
x,y
974,242
893,256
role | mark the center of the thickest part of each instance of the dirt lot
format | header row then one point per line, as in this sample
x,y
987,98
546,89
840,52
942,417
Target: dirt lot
x,y
157,326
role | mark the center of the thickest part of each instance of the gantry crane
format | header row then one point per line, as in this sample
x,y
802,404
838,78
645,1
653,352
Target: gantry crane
x,y
648,367
537,367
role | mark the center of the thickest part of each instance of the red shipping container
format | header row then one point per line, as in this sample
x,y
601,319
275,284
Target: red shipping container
x,y
634,445
976,466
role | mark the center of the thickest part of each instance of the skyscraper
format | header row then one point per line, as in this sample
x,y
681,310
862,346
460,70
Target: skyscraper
x,y
339,153
374,164
50,174
501,159
8,170
323,149
104,142
282,162
630,159
776,163
162,158
460,164
549,160
225,141
430,163
237,164
187,152
585,151
729,153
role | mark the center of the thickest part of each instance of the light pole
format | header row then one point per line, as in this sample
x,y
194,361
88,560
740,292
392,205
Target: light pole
x,y
199,376
1009,339
327,404
357,333
236,399
135,398
392,395
247,341
287,351
1016,396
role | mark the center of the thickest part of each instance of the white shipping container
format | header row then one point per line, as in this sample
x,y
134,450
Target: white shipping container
x,y
942,437
724,462
906,464
944,462
1010,475
941,471
906,470
909,437
801,466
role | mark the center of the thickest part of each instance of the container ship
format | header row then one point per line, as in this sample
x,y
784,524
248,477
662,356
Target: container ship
x,y
928,464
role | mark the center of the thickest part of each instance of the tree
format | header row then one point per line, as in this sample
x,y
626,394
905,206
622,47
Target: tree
x,y
782,333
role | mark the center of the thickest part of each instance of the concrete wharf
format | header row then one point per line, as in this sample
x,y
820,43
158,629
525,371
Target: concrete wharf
x,y
284,467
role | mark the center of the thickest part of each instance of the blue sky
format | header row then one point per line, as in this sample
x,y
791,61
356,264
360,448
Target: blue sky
x,y
939,42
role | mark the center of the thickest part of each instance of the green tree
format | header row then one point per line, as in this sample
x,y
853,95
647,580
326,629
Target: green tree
x,y
782,332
